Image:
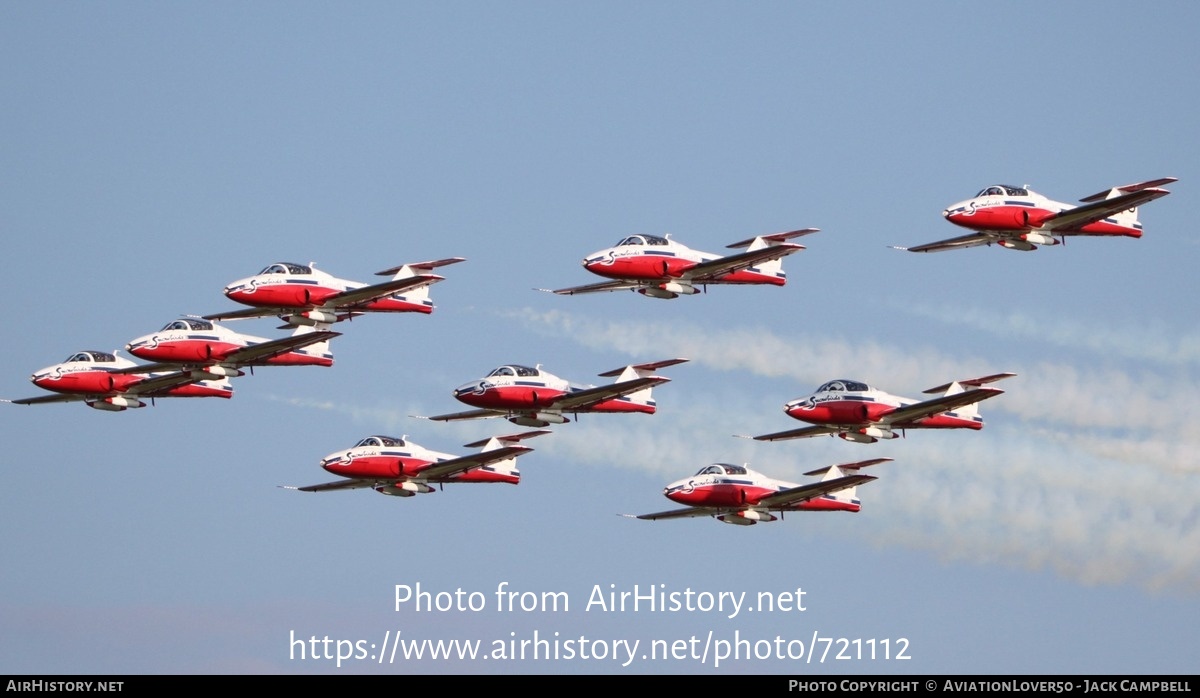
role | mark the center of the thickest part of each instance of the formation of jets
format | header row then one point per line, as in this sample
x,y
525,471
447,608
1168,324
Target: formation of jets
x,y
196,356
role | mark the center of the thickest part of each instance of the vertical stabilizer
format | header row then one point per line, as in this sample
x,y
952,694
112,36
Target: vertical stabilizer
x,y
833,472
320,348
507,466
642,371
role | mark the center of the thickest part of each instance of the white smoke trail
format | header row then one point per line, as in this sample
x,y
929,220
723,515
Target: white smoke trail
x,y
1097,489
1066,478
1046,394
388,419
1155,343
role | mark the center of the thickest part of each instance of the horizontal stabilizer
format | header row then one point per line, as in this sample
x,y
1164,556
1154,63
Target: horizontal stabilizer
x,y
643,367
775,237
973,382
1108,193
853,467
511,438
422,265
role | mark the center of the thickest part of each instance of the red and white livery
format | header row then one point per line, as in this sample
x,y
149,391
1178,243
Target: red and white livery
x,y
857,412
112,383
1019,218
401,468
659,267
209,348
735,494
531,397
304,295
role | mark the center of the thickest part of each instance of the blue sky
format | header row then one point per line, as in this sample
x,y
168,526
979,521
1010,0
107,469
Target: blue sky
x,y
153,153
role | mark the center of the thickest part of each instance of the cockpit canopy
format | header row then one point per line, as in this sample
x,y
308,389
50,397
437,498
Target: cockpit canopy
x,y
286,268
643,240
515,370
91,356
843,385
380,441
188,324
721,469
1003,190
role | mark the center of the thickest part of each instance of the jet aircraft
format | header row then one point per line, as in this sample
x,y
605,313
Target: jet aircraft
x,y
1019,218
191,343
401,468
660,267
857,412
304,295
532,397
102,381
735,494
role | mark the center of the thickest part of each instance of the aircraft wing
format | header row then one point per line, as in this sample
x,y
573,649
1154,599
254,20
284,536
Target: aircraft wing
x,y
147,368
251,313
680,513
597,288
366,294
248,313
469,414
983,237
42,399
265,350
801,433
581,399
339,485
803,493
457,466
157,384
710,272
928,408
1099,210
